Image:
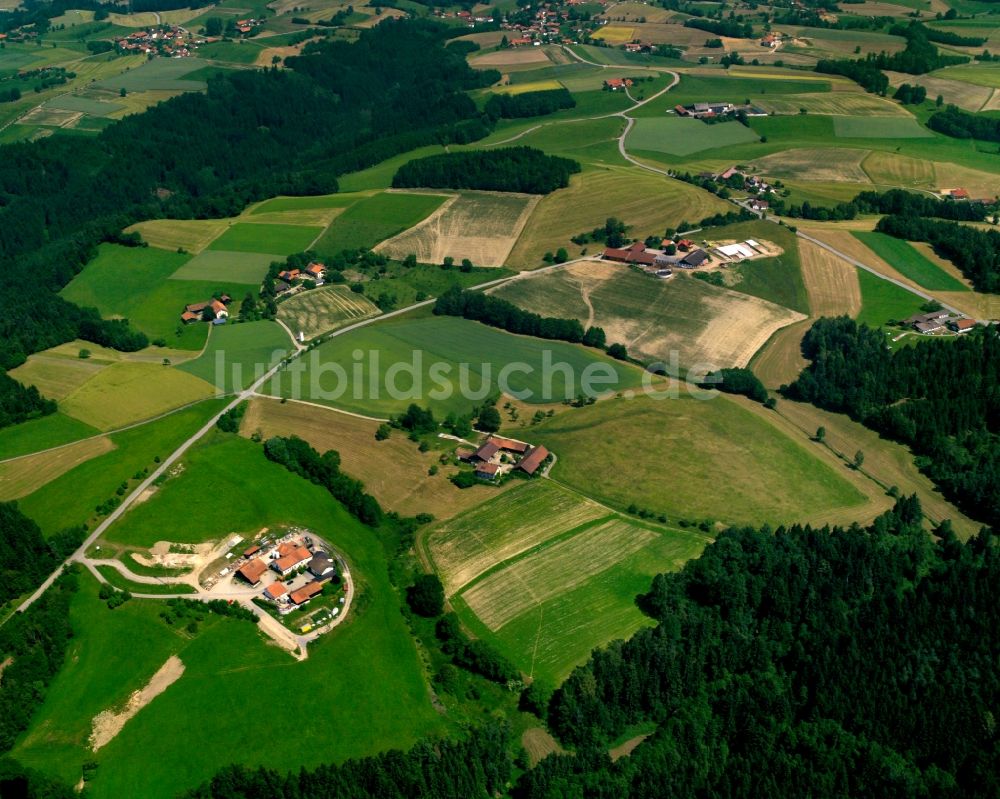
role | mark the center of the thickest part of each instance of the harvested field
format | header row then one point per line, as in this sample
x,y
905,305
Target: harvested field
x,y
323,309
701,323
957,92
648,203
511,57
394,471
109,723
920,270
55,377
893,169
819,164
480,226
129,392
468,546
506,594
780,361
832,283
832,103
532,86
976,182
193,235
21,477
993,103
539,744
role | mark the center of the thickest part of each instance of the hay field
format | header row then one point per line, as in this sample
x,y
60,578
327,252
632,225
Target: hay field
x,y
25,475
655,318
614,34
957,92
832,103
244,268
513,57
193,235
480,226
534,512
506,594
875,127
831,282
815,163
986,75
394,471
55,377
263,237
647,202
129,392
921,271
532,86
893,169
315,312
780,361
978,183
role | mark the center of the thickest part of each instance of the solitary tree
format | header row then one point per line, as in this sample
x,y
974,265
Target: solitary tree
x,y
383,432
426,596
821,434
859,459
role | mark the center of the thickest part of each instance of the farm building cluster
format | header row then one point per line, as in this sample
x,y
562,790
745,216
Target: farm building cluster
x,y
712,110
939,322
169,41
685,253
289,279
736,178
215,311
498,456
292,571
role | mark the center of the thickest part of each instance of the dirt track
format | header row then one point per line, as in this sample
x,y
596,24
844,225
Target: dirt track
x,y
108,723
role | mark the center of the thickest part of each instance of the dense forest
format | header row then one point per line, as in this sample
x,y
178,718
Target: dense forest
x,y
522,169
790,662
960,124
942,398
528,104
975,252
733,28
864,73
397,87
19,403
297,456
497,312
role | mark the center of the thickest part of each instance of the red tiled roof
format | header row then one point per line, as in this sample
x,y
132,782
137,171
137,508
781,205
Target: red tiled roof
x,y
509,444
530,462
487,451
274,590
306,592
252,571
253,550
490,469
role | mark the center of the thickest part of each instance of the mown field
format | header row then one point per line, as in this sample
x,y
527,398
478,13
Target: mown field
x,y
124,393
265,238
872,127
236,354
56,377
375,219
548,574
480,226
366,675
446,363
647,203
25,475
661,454
394,471
37,434
321,310
910,262
655,318
193,235
679,136
224,266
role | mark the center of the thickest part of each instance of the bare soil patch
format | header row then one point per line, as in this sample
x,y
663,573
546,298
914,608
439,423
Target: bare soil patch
x,y
831,282
108,723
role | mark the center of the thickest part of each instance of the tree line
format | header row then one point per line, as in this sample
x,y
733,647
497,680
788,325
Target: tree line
x,y
397,87
19,403
940,398
497,312
732,28
935,35
521,169
975,252
26,557
959,124
528,104
324,470
895,202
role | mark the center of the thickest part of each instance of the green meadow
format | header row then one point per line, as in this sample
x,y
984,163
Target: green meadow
x,y
243,268
265,238
375,219
882,301
71,499
879,128
237,353
902,256
38,434
160,74
360,691
303,203
443,354
680,136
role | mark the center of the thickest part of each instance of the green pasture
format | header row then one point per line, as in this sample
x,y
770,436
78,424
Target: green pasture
x,y
904,258
679,136
244,51
375,219
660,453
380,175
777,279
160,74
304,203
879,128
365,675
38,434
71,498
71,102
264,238
237,353
882,301
225,266
979,74
427,361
